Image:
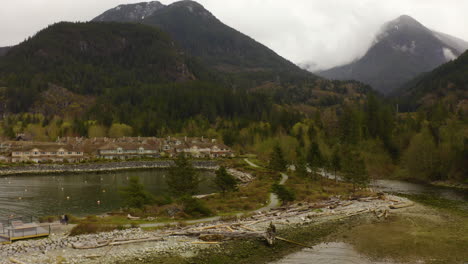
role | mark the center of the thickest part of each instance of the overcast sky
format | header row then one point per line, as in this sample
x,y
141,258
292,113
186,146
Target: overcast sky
x,y
324,32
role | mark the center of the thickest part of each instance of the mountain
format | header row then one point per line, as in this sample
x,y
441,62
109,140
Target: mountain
x,y
130,13
4,50
202,35
403,50
236,60
447,84
87,58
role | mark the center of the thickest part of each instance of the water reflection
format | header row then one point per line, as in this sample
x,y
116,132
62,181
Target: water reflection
x,y
394,186
78,194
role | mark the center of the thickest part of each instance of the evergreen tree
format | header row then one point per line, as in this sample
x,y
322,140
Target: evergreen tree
x,y
335,162
355,170
284,194
301,168
315,158
225,181
134,194
183,178
277,161
421,158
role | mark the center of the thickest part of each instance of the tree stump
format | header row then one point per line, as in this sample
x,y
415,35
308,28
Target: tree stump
x,y
270,234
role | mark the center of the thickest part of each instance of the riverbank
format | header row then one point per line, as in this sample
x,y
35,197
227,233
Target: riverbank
x,y
99,167
174,243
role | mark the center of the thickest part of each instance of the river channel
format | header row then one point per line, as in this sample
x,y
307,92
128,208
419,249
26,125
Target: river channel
x,y
78,194
330,253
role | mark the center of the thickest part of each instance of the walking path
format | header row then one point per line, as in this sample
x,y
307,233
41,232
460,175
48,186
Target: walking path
x,y
251,163
274,200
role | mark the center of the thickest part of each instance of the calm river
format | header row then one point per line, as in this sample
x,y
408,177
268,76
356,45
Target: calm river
x,y
78,194
331,253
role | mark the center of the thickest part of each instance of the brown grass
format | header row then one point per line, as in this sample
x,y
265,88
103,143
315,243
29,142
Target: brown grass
x,y
310,190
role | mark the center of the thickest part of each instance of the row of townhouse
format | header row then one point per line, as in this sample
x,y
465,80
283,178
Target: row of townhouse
x,y
77,149
21,151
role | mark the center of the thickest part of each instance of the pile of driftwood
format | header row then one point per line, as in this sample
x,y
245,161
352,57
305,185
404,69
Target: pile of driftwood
x,y
247,227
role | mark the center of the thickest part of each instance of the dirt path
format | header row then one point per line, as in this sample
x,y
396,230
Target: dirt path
x,y
251,163
274,201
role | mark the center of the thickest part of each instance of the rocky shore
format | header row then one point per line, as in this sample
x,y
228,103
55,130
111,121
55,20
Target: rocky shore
x,y
98,167
137,244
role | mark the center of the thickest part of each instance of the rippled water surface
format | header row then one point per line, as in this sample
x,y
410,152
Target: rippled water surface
x,y
328,253
394,186
77,194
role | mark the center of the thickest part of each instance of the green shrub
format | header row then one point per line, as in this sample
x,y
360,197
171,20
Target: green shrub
x,y
49,219
162,200
91,228
135,194
194,207
284,194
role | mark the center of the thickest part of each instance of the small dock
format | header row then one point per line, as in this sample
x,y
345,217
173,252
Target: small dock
x,y
15,229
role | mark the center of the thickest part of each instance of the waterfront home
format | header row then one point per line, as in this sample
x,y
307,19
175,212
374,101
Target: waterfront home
x,y
45,152
73,149
205,148
124,150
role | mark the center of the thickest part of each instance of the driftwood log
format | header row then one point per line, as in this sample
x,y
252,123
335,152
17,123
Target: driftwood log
x,y
401,205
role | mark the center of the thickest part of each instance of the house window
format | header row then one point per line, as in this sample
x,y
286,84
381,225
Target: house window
x,y
27,153
61,152
35,153
78,153
43,153
69,153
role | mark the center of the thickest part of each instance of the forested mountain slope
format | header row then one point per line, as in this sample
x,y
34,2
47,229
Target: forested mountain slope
x,y
446,84
88,58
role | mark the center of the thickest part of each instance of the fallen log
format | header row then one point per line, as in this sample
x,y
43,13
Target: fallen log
x,y
292,242
136,241
224,233
78,246
205,242
211,237
16,261
402,205
248,228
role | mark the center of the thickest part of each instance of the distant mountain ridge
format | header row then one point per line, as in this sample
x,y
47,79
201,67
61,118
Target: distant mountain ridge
x,y
201,34
130,13
403,50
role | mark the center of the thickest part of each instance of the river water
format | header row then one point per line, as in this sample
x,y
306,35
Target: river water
x,y
337,253
78,194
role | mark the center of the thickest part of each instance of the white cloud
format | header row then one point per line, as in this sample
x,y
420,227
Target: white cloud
x,y
448,54
324,33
